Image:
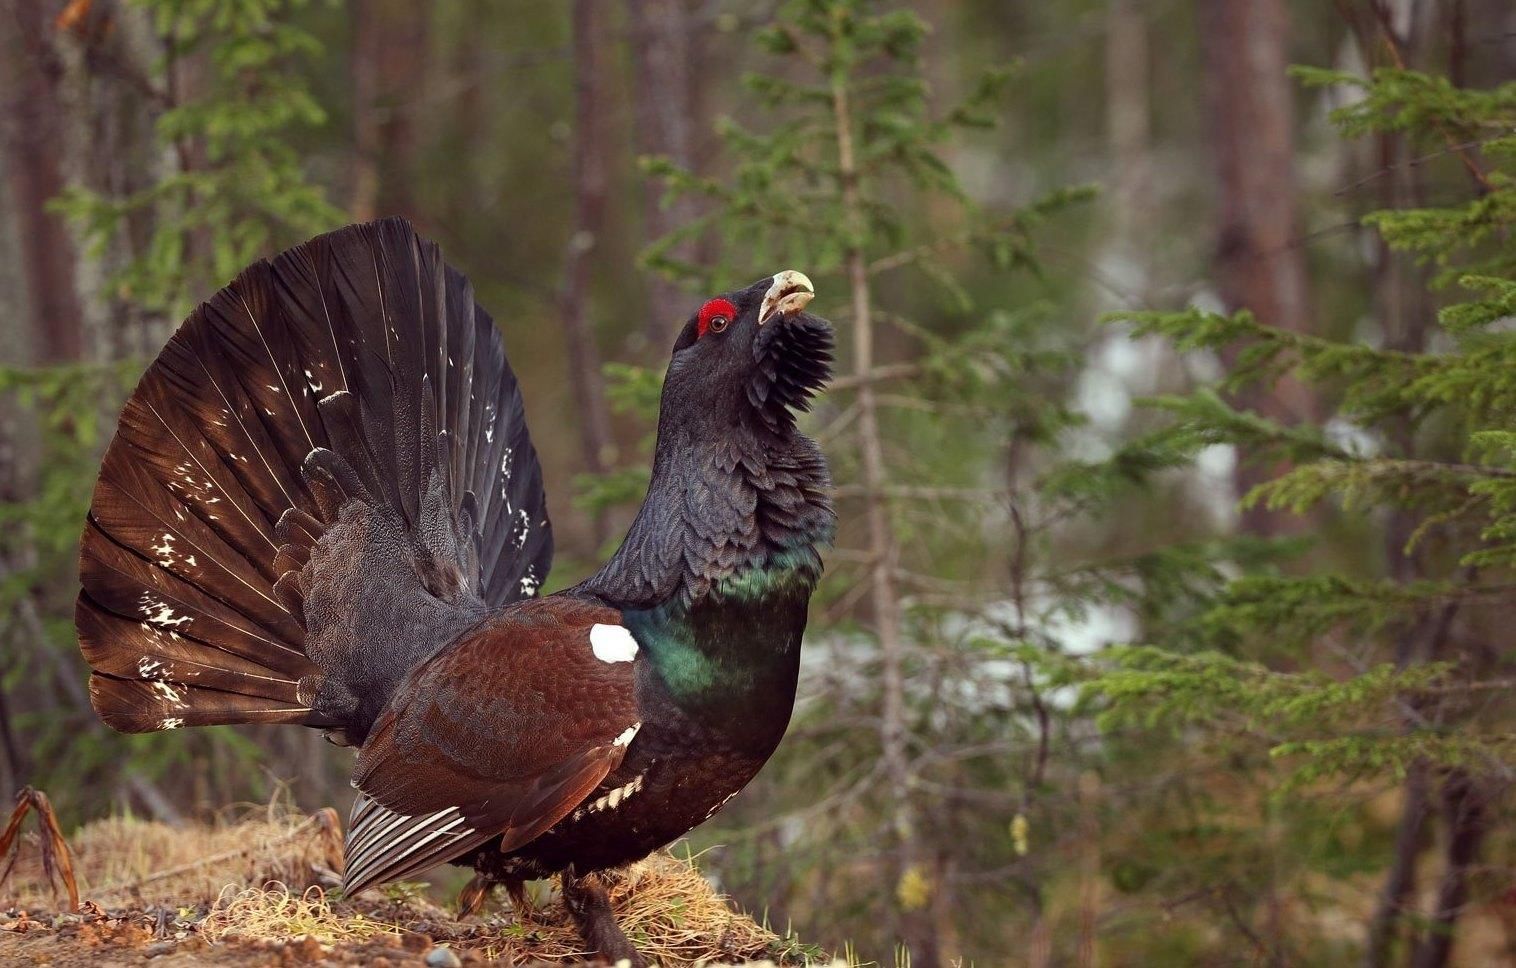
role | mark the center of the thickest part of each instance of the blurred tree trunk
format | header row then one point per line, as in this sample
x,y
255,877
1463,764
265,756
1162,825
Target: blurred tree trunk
x,y
1404,311
81,104
1387,37
110,50
911,878
667,67
43,320
389,65
15,439
1259,263
1129,134
34,160
589,173
1397,894
1466,811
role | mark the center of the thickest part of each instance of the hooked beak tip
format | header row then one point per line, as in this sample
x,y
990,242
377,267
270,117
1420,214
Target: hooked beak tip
x,y
789,293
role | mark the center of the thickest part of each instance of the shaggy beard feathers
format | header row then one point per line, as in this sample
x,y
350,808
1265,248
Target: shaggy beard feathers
x,y
794,360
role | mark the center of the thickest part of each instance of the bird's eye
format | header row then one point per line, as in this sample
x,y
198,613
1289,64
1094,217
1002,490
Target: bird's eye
x,y
715,316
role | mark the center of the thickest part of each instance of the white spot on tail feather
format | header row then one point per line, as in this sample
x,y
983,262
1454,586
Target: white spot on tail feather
x,y
170,695
529,582
151,668
164,551
159,612
612,643
161,634
172,722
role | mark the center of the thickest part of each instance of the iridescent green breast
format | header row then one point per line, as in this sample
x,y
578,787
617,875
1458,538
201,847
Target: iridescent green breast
x,y
732,656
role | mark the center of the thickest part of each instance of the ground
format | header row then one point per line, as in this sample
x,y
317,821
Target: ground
x,y
261,890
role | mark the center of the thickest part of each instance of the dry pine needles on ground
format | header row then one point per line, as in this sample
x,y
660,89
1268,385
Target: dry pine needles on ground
x,y
266,880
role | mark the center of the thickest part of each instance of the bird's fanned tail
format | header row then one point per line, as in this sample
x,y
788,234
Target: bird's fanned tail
x,y
352,379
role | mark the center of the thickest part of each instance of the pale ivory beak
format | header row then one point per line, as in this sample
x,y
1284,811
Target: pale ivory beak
x,y
789,293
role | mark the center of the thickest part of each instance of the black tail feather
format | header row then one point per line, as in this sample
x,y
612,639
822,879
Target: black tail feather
x,y
353,367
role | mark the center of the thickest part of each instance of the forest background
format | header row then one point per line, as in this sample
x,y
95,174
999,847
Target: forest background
x,y
1173,433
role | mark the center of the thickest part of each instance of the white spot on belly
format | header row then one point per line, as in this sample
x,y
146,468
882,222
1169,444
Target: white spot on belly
x,y
612,643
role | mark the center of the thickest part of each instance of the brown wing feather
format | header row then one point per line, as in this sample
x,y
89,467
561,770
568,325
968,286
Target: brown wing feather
x,y
384,845
502,734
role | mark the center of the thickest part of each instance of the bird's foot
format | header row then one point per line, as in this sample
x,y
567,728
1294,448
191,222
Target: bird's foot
x,y
471,899
589,904
521,902
475,893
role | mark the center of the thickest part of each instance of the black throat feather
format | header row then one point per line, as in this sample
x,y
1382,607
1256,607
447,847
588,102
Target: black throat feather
x,y
734,487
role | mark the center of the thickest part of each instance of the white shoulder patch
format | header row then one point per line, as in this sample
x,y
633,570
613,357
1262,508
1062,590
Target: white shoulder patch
x,y
612,643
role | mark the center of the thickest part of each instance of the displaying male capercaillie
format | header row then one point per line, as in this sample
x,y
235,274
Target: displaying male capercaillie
x,y
322,507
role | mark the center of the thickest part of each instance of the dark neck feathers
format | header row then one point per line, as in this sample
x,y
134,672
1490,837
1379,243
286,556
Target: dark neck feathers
x,y
717,507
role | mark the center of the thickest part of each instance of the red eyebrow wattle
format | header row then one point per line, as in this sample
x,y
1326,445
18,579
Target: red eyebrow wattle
x,y
712,309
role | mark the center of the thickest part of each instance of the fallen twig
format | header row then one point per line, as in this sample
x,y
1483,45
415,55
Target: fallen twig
x,y
56,860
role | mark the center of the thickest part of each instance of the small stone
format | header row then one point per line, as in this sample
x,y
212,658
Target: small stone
x,y
442,958
158,948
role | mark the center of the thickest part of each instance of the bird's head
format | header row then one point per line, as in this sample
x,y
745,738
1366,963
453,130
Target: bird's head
x,y
750,358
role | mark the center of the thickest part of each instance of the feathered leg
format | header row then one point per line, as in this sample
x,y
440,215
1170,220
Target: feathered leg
x,y
520,903
471,899
477,891
590,905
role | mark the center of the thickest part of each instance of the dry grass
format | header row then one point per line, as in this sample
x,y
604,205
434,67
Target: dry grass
x,y
262,879
126,860
276,913
668,909
672,914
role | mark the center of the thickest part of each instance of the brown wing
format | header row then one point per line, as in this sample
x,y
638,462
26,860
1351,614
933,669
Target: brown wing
x,y
501,734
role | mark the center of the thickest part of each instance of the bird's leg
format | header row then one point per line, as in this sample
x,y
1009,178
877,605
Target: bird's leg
x,y
471,899
590,905
520,903
475,893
